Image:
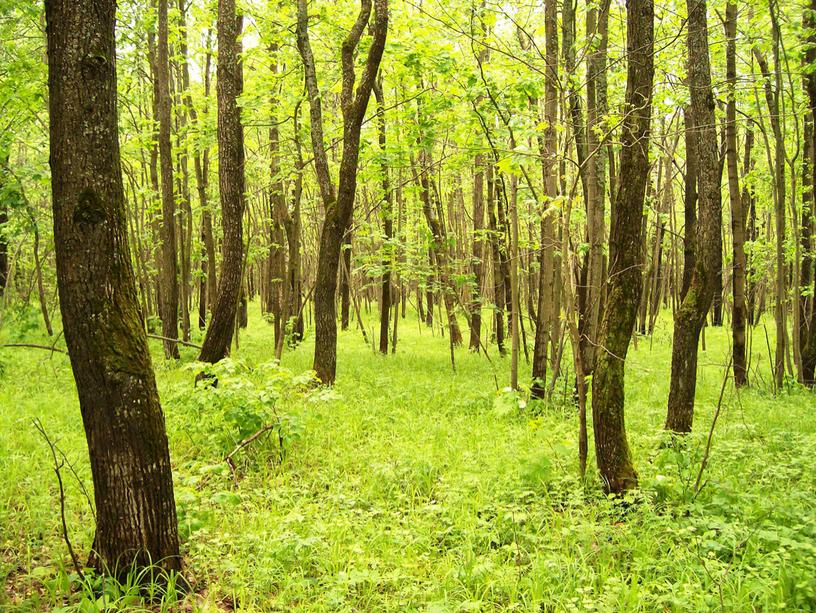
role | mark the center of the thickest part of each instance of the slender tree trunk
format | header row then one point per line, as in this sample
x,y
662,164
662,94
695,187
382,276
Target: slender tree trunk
x,y
388,221
548,146
4,179
476,265
690,318
738,317
625,279
807,302
119,402
168,273
229,86
339,203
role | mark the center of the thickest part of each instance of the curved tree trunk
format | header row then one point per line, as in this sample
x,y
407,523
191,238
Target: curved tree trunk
x,y
691,315
229,86
124,424
624,282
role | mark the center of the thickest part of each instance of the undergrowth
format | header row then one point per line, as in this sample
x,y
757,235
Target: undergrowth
x,y
411,486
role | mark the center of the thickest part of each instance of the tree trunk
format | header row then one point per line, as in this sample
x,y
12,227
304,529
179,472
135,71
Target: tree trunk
x,y
229,86
388,221
548,148
624,281
689,201
691,315
119,402
807,308
476,262
339,204
168,273
738,317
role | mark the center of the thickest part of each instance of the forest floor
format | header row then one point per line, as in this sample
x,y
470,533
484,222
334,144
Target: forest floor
x,y
412,487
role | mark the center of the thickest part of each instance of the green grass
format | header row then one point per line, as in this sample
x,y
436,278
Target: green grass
x,y
413,487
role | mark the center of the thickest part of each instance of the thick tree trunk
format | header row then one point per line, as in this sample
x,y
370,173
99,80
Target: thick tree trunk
x,y
625,279
124,424
689,201
168,273
689,319
807,302
738,317
229,86
345,282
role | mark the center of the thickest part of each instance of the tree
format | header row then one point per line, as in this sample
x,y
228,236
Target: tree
x,y
119,402
624,283
690,317
168,273
229,86
339,202
739,315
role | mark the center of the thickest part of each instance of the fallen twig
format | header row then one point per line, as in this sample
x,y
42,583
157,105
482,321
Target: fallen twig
x,y
158,337
247,441
57,467
34,346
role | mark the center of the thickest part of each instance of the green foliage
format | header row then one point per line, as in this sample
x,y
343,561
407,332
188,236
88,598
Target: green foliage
x,y
411,487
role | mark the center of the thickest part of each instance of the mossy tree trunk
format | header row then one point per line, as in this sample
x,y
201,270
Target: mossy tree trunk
x,y
691,315
624,282
119,402
229,86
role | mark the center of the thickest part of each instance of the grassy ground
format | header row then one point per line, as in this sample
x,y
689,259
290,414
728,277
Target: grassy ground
x,y
413,487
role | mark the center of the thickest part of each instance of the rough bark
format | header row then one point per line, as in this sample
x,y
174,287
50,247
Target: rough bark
x,y
691,315
738,317
168,273
624,281
119,402
339,203
229,86
548,146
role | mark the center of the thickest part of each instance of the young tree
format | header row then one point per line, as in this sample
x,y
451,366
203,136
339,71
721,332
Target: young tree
x,y
229,86
739,314
168,273
624,283
690,317
124,424
338,203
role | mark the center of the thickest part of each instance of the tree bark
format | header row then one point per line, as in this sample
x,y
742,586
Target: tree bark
x,y
739,315
339,203
119,402
388,221
548,147
229,86
624,282
691,315
168,273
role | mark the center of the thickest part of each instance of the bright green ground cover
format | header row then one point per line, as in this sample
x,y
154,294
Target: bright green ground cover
x,y
410,487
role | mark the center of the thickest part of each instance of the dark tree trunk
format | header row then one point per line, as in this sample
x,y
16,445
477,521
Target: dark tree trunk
x,y
691,315
689,201
119,402
4,264
548,146
338,204
624,282
229,86
388,222
807,306
168,273
345,283
738,317
499,301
